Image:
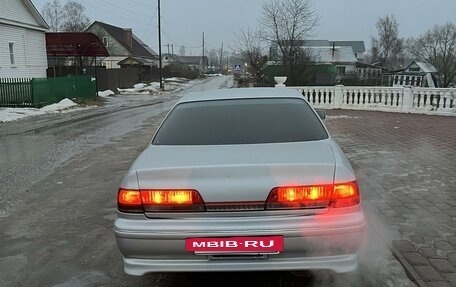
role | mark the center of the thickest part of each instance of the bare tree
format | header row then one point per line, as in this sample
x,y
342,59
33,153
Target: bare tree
x,y
182,50
213,57
53,13
74,17
249,47
438,47
289,23
387,47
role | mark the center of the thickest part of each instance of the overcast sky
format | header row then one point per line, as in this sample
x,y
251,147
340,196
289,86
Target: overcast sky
x,y
185,20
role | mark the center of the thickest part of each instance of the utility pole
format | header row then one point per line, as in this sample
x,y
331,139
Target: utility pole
x,y
172,53
221,60
202,60
168,49
160,49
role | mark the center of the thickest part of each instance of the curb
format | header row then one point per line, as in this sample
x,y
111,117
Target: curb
x,y
409,270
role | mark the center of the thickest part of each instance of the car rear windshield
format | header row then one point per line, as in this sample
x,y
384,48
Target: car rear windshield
x,y
240,121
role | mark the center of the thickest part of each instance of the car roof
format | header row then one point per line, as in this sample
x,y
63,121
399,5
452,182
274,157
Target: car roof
x,y
244,93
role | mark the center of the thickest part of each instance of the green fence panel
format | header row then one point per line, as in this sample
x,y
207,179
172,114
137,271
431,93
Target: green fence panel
x,y
86,87
15,92
53,90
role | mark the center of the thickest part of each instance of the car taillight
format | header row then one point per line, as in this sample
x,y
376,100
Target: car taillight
x,y
159,200
315,196
129,200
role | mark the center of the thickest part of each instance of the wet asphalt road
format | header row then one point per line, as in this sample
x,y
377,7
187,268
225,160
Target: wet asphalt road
x,y
57,206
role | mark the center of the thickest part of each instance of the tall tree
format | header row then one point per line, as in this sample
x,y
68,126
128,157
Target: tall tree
x,y
213,57
53,13
438,47
249,48
74,17
289,23
182,50
387,47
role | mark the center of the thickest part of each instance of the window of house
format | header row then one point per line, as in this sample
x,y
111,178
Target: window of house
x,y
418,81
407,80
106,41
341,70
401,80
11,52
414,69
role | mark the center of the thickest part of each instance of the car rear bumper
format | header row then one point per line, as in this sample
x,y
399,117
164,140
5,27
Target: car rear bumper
x,y
327,241
339,264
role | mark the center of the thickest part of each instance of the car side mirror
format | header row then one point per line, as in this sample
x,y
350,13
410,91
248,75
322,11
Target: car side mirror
x,y
321,114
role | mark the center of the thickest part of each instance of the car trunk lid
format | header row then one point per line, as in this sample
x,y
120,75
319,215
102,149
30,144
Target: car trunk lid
x,y
235,175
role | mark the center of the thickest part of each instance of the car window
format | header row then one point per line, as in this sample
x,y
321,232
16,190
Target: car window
x,y
240,121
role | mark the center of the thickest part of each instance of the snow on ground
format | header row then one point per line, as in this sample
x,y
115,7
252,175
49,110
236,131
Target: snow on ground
x,y
106,93
139,93
171,84
64,106
139,86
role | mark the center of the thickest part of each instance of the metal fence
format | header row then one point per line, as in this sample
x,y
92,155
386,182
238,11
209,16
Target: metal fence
x,y
16,92
40,92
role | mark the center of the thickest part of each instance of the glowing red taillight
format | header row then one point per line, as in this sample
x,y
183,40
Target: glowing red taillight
x,y
314,196
159,200
129,200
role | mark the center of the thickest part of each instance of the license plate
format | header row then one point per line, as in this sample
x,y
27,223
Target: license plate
x,y
249,244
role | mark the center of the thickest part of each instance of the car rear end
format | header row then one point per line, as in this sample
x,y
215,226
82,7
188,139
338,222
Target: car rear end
x,y
240,206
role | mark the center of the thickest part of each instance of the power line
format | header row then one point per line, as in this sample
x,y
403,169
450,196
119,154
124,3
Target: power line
x,y
143,4
119,14
108,4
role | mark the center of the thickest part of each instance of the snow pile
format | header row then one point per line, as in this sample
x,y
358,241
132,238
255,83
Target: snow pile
x,y
171,84
176,80
12,114
105,94
63,104
214,75
140,86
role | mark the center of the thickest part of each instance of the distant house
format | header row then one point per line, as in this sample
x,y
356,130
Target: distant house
x,y
358,48
22,40
417,74
121,44
192,62
169,59
342,57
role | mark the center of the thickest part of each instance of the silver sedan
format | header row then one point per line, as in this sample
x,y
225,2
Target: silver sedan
x,y
240,180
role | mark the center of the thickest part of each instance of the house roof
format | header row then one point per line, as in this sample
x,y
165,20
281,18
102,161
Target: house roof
x,y
36,14
316,43
425,67
327,55
74,44
139,48
137,61
358,46
9,16
191,60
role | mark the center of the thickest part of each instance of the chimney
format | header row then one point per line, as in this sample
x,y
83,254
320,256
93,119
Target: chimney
x,y
128,37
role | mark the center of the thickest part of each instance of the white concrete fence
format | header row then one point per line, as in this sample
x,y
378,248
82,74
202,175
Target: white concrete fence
x,y
392,99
